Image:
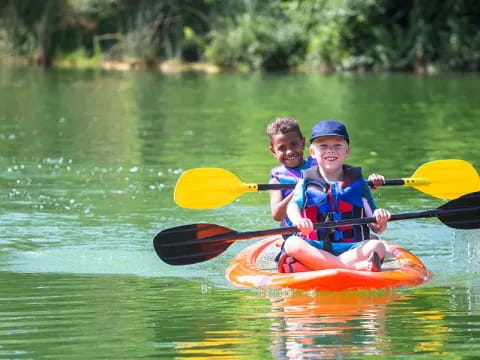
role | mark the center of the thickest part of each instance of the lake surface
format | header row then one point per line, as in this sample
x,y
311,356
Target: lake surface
x,y
88,163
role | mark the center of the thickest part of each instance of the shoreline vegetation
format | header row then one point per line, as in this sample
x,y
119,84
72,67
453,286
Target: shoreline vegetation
x,y
249,35
175,66
167,66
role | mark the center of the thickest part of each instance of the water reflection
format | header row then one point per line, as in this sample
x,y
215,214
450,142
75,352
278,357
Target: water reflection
x,y
112,316
88,162
329,324
217,344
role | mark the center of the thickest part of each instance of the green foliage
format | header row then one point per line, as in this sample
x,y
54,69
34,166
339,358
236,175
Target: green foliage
x,y
326,34
416,35
249,34
258,39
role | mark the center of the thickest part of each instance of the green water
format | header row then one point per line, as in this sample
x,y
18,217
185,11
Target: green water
x,y
88,162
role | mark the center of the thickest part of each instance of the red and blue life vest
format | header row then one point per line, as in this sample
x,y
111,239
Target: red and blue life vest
x,y
339,201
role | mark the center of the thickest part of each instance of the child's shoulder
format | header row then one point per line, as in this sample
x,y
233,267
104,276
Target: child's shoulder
x,y
352,172
282,169
278,169
309,162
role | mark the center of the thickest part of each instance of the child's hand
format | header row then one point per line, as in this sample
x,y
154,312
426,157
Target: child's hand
x,y
305,226
377,180
381,217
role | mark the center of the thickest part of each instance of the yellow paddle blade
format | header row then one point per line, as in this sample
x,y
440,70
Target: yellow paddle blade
x,y
445,179
209,188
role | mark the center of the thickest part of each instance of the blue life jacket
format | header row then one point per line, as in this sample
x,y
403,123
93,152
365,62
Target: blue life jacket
x,y
331,202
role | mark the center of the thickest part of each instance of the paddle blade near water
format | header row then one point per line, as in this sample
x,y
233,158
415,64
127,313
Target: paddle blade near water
x,y
445,179
461,213
183,245
209,188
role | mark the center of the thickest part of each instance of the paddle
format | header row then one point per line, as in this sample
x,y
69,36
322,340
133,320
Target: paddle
x,y
191,244
208,188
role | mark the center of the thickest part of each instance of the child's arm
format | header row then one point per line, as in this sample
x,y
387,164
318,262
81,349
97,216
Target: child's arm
x,y
278,205
305,225
382,216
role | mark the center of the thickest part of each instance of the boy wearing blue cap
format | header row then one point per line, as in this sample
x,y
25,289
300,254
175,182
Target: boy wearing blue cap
x,y
333,191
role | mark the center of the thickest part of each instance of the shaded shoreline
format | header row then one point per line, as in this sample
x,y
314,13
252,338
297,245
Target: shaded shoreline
x,y
167,66
174,66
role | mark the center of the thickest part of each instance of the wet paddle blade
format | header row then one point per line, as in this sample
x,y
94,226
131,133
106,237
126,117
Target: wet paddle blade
x,y
208,188
445,179
469,219
183,245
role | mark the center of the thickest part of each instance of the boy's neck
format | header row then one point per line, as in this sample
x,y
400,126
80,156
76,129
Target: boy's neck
x,y
333,176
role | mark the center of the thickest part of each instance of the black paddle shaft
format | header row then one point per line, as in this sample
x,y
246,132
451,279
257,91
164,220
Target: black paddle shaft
x,y
448,217
190,244
292,186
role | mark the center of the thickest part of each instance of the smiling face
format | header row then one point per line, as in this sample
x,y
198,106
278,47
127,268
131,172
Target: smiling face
x,y
288,148
330,153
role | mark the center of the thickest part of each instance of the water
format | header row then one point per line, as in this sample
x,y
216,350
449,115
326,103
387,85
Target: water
x,y
88,163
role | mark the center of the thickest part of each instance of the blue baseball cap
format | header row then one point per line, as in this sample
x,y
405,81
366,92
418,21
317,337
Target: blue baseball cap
x,y
329,128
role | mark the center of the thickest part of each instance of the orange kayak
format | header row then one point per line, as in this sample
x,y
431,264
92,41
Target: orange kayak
x,y
401,269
